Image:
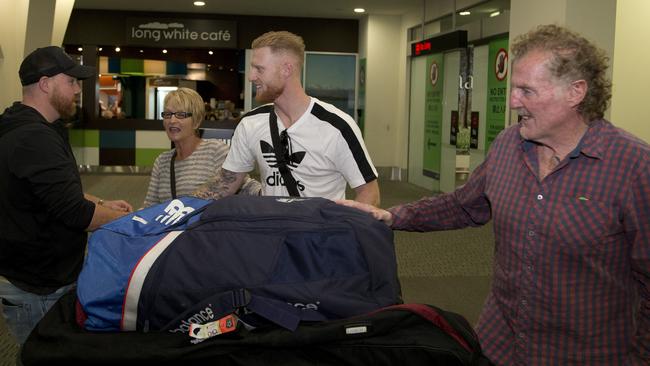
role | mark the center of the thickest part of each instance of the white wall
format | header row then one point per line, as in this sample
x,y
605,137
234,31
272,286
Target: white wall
x,y
631,74
383,128
24,26
40,19
525,14
13,24
363,37
61,17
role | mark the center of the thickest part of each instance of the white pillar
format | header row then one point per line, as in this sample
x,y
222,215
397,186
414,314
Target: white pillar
x,y
383,80
13,26
24,26
629,108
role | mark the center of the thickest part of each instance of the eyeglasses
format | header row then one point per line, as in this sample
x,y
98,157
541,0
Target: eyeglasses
x,y
284,143
179,115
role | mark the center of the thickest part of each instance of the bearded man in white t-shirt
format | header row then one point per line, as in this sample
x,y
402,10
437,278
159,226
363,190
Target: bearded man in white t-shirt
x,y
321,145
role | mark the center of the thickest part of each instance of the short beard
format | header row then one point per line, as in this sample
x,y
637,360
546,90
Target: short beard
x,y
66,109
270,95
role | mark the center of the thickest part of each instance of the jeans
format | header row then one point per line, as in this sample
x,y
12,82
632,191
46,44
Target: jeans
x,y
22,310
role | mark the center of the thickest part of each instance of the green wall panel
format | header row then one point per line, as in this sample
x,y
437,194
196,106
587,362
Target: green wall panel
x,y
84,138
146,157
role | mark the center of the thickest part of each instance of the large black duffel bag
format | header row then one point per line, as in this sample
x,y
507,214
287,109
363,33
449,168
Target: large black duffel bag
x,y
408,334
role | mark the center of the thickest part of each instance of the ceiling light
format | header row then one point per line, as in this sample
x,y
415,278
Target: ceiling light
x,y
210,52
494,14
141,51
359,10
80,49
164,51
466,12
100,48
117,49
199,3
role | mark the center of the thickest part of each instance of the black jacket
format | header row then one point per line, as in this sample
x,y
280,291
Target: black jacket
x,y
43,212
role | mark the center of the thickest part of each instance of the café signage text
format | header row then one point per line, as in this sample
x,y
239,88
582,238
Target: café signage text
x,y
157,32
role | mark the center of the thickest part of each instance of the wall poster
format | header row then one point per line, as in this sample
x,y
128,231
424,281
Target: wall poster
x,y
497,90
433,116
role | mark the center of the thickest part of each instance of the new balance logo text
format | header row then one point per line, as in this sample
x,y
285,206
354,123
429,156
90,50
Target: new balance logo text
x,y
306,306
175,212
201,317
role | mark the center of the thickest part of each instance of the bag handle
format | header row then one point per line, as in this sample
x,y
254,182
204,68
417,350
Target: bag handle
x,y
172,175
227,302
289,181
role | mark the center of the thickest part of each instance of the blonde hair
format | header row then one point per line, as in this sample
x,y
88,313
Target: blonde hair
x,y
573,57
187,100
282,41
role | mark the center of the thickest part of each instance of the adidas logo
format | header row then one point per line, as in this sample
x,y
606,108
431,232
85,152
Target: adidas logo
x,y
175,211
276,178
269,155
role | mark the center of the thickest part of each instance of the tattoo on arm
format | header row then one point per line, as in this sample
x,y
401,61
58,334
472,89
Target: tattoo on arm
x,y
224,184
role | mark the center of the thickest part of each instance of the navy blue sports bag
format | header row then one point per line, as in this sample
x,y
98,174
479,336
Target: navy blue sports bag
x,y
276,259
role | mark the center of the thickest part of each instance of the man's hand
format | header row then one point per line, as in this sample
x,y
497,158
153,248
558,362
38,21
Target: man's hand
x,y
119,205
377,213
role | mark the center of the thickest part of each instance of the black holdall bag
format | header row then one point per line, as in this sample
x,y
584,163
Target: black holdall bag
x,y
406,334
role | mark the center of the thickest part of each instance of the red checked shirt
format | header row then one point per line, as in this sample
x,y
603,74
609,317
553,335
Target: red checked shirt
x,y
571,277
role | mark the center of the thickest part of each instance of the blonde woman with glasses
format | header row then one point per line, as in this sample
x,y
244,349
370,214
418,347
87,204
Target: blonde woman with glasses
x,y
193,160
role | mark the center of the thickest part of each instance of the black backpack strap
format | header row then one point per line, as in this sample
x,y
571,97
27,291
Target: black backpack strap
x,y
228,302
289,181
172,175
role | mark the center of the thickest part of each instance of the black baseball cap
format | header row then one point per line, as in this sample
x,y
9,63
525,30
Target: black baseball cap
x,y
50,61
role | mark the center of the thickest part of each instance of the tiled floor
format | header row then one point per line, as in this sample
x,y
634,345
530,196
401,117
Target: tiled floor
x,y
449,269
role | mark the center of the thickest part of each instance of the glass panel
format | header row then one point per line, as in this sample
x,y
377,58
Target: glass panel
x,y
332,79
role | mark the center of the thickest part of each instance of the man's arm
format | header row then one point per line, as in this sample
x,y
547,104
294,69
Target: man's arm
x,y
225,183
368,193
106,211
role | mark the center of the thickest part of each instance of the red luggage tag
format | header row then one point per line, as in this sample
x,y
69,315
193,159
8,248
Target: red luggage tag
x,y
204,331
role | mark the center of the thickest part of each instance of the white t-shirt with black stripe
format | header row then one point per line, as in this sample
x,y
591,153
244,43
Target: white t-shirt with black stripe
x,y
326,147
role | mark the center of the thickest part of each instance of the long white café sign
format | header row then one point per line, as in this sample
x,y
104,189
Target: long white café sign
x,y
157,32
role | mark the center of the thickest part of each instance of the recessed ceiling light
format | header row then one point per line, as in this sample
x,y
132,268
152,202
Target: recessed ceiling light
x,y
199,3
494,14
466,12
100,48
164,51
359,10
141,51
117,49
210,52
80,49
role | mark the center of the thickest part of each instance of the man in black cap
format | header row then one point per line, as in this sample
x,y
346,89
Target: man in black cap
x,y
44,214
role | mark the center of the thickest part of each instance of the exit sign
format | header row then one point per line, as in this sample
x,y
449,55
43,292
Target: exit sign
x,y
443,42
420,47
